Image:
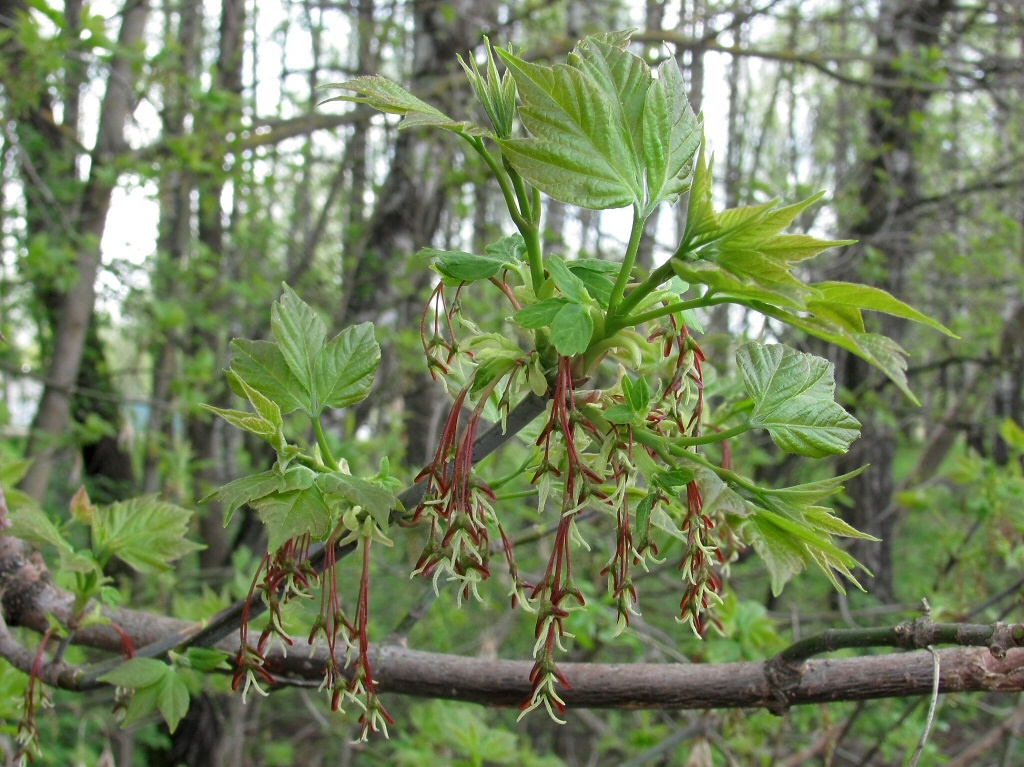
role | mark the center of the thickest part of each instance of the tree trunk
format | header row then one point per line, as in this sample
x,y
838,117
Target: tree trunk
x,y
49,429
406,217
888,189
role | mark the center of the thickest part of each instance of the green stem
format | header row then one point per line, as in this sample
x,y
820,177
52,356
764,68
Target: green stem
x,y
522,218
713,437
679,306
321,441
641,291
627,265
525,202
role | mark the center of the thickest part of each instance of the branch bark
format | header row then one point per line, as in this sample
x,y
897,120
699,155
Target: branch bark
x,y
28,595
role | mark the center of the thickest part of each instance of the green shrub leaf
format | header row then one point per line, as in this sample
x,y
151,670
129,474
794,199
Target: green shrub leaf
x,y
145,533
793,397
344,369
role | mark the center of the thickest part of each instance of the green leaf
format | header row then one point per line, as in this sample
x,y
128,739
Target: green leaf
x,y
246,421
262,365
700,211
598,286
173,701
457,266
247,489
344,370
510,249
568,283
881,351
782,555
294,513
300,334
156,686
30,523
793,397
773,222
497,94
145,533
620,414
206,659
853,296
671,481
571,330
137,672
797,247
387,96
671,137
744,288
583,118
541,314
378,501
786,545
810,493
642,519
638,394
267,409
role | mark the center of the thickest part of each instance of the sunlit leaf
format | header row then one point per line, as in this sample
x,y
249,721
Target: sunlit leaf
x,y
300,334
145,533
344,369
793,395
262,365
671,136
582,120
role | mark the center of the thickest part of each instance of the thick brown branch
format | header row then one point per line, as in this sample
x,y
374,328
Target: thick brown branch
x,y
28,595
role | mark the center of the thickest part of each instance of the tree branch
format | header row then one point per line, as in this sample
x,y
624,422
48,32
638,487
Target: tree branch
x,y
28,595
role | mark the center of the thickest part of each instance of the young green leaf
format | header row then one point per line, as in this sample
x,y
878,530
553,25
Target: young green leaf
x,y
793,395
378,501
136,673
881,351
263,367
267,409
497,94
571,330
671,137
783,556
701,221
457,266
248,489
583,119
638,394
541,314
300,334
568,283
510,249
387,96
157,687
343,371
621,413
857,297
145,533
294,513
786,545
246,421
745,289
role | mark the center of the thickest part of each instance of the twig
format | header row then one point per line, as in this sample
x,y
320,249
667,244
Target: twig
x,y
931,712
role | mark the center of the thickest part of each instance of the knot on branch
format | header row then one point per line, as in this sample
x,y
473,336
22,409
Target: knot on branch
x,y
1005,637
23,575
918,634
783,677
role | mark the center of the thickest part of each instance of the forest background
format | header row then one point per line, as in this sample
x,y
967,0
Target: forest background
x,y
909,113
